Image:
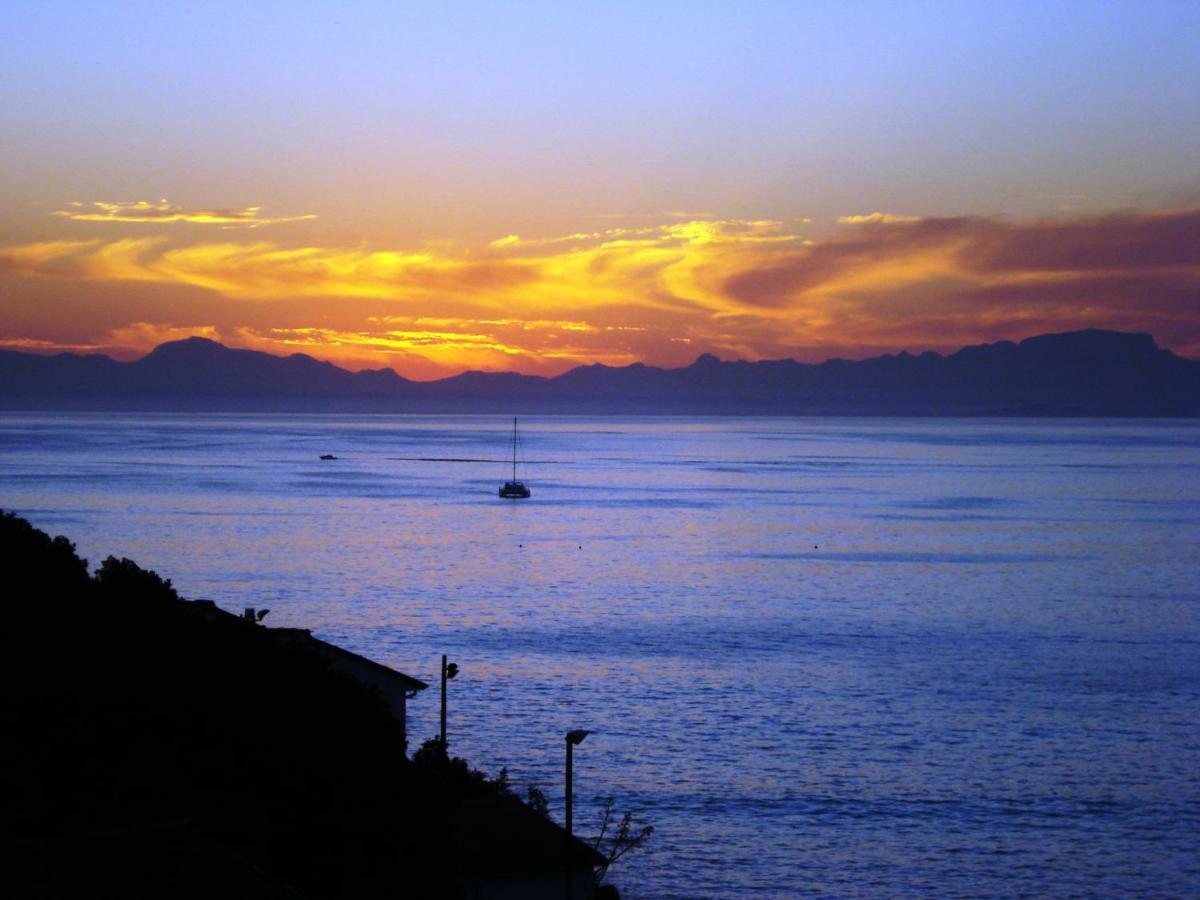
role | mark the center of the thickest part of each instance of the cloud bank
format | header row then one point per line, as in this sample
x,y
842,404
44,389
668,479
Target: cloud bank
x,y
659,294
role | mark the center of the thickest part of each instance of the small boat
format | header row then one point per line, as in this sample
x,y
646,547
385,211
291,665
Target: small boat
x,y
328,456
514,490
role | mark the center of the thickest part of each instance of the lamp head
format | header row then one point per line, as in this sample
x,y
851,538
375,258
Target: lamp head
x,y
576,737
451,670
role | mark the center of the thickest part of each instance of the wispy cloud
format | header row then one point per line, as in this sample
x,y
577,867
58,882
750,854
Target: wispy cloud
x,y
460,324
38,345
162,212
875,218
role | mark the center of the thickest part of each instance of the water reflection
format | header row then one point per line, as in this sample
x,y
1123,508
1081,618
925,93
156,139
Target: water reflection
x,y
890,656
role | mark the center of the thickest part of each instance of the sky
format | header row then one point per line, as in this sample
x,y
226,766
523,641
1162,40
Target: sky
x,y
532,187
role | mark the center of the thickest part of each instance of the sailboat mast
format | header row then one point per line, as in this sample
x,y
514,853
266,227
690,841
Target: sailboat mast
x,y
514,478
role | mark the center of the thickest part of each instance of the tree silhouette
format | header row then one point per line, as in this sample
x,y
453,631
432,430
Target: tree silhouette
x,y
536,800
626,838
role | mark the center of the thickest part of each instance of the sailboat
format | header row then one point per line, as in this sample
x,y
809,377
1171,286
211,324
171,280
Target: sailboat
x,y
514,490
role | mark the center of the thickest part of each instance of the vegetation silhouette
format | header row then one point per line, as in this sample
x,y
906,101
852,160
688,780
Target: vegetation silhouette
x,y
626,837
536,800
614,839
432,757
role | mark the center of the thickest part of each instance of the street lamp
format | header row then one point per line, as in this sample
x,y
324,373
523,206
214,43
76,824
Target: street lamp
x,y
449,670
574,738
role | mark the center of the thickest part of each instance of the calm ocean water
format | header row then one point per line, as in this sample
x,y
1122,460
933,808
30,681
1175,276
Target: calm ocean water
x,y
862,657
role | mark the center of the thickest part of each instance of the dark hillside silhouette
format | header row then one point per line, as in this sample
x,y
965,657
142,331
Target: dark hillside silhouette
x,y
150,736
1091,372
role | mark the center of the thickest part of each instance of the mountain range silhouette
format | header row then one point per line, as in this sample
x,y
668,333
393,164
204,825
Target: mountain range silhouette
x,y
1081,373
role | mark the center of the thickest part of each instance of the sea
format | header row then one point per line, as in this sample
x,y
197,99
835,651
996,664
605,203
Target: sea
x,y
857,657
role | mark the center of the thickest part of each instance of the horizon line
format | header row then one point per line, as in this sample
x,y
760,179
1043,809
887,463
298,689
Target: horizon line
x,y
100,350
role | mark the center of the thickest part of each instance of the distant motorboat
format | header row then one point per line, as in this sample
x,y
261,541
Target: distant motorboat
x,y
328,456
514,490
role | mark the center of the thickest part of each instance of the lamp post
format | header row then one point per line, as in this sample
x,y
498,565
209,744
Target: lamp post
x,y
449,670
573,738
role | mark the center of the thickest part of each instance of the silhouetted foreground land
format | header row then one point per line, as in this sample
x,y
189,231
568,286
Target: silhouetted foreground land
x,y
162,748
1079,373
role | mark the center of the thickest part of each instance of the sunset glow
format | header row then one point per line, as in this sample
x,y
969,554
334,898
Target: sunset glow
x,y
464,243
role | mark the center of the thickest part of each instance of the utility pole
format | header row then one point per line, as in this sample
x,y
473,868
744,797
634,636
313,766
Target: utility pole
x,y
573,738
449,670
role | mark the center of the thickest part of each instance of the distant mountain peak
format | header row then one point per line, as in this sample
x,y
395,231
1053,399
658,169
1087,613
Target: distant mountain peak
x,y
188,346
193,341
1097,338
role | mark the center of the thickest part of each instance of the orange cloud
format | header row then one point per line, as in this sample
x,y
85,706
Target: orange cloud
x,y
876,218
664,293
140,211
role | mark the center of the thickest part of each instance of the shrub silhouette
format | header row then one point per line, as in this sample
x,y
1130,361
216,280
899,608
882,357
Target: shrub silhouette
x,y
24,549
431,757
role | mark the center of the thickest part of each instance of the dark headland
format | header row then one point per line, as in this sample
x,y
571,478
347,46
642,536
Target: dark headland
x,y
161,747
1080,373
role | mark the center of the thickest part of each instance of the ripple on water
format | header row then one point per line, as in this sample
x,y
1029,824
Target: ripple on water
x,y
861,657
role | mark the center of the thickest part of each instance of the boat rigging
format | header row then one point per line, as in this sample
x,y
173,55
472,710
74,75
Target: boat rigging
x,y
514,490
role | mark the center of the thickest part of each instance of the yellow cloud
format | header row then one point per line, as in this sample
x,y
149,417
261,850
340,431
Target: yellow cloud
x,y
141,211
393,339
459,323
